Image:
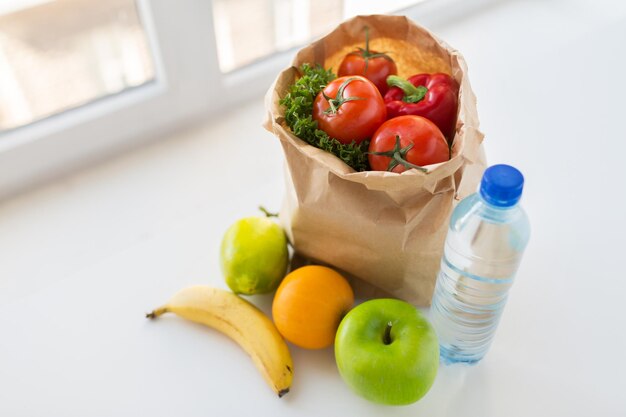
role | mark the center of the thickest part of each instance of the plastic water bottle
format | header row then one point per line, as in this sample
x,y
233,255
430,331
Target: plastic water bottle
x,y
486,239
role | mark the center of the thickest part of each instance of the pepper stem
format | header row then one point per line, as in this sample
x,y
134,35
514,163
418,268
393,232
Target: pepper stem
x,y
412,94
398,156
335,103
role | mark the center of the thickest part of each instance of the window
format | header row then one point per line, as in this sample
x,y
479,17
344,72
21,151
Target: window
x,y
88,78
81,79
58,55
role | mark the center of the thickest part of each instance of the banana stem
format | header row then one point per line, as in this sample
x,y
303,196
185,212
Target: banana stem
x,y
156,313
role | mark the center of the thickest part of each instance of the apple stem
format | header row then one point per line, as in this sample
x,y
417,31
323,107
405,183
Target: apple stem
x,y
387,335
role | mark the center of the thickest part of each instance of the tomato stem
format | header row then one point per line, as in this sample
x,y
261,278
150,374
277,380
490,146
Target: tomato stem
x,y
337,102
366,54
398,156
412,94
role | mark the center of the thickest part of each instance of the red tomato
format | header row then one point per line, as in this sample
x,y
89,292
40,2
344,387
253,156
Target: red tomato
x,y
373,65
375,69
349,109
420,143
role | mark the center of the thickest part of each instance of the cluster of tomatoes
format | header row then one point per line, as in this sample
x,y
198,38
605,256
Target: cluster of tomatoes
x,y
410,122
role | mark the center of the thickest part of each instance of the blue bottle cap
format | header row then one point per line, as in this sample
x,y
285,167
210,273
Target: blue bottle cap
x,y
502,185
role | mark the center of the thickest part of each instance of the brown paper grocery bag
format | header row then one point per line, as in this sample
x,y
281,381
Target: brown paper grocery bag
x,y
387,229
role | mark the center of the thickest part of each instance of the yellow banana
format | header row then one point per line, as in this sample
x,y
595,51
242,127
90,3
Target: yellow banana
x,y
242,322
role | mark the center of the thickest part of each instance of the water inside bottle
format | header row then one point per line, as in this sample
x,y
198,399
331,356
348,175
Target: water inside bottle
x,y
477,270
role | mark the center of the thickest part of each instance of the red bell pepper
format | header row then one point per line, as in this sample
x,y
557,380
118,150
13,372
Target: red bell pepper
x,y
433,96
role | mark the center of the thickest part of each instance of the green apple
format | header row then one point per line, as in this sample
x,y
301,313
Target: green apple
x,y
254,256
387,352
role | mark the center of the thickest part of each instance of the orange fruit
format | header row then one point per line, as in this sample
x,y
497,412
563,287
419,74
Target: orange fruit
x,y
309,305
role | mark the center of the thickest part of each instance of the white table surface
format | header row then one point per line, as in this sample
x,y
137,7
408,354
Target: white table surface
x,y
82,259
